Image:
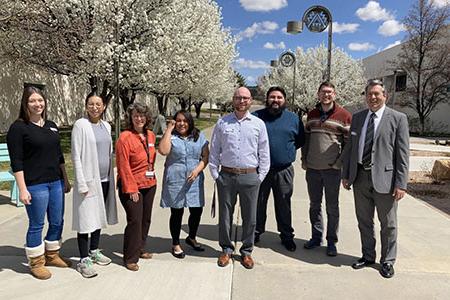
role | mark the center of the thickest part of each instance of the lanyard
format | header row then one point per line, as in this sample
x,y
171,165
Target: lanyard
x,y
147,151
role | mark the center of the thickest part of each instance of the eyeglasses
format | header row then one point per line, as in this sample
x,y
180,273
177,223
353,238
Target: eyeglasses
x,y
241,98
91,105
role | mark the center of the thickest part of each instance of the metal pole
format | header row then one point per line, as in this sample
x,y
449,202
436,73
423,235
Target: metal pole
x,y
330,43
293,83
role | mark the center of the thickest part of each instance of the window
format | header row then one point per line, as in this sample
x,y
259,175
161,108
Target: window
x,y
400,83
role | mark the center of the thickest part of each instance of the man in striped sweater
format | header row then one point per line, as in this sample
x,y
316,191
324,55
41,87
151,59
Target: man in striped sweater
x,y
327,129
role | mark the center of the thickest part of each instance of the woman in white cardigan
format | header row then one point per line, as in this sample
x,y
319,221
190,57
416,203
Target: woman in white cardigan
x,y
94,198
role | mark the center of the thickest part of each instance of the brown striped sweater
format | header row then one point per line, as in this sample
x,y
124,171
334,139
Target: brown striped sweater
x,y
325,138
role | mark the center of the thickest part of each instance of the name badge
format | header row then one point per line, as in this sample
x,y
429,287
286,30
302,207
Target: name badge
x,y
150,174
353,133
53,129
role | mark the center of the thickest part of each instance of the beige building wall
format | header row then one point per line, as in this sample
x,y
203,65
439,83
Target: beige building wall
x,y
379,66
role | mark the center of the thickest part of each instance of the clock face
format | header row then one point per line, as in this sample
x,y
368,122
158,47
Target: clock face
x,y
316,19
287,59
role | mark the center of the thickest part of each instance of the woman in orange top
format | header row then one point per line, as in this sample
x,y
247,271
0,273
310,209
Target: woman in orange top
x,y
135,159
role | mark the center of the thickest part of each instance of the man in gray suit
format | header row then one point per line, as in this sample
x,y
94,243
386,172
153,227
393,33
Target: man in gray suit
x,y
376,163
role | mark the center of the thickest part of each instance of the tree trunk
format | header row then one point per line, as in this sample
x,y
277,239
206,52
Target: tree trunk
x,y
161,106
198,107
422,124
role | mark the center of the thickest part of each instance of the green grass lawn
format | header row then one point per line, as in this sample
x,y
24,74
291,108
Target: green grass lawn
x,y
201,123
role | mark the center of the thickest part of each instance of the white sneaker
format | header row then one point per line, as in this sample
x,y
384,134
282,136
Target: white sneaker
x,y
86,268
97,257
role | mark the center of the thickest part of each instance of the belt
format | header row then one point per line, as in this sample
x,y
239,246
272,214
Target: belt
x,y
362,167
279,168
238,171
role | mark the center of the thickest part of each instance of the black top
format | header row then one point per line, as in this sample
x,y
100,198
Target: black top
x,y
36,151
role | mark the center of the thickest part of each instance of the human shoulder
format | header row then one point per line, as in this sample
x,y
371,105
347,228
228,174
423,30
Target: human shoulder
x,y
260,113
106,124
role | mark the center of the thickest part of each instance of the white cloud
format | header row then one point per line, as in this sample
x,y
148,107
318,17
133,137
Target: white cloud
x,y
344,27
391,28
284,30
440,3
393,44
242,63
273,46
373,12
250,80
266,27
361,46
263,5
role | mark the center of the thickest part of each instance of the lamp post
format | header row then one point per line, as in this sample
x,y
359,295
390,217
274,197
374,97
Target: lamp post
x,y
287,59
316,18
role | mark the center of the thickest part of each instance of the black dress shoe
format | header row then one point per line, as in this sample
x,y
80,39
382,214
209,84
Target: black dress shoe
x,y
387,270
311,244
289,245
179,255
361,263
196,247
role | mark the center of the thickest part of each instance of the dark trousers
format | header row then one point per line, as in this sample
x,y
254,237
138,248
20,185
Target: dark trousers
x,y
229,186
138,222
83,238
366,201
318,181
176,216
281,184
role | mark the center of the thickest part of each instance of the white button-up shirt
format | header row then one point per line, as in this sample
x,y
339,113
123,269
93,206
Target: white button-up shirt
x,y
376,122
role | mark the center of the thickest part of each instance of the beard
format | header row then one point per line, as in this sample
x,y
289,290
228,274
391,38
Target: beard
x,y
275,109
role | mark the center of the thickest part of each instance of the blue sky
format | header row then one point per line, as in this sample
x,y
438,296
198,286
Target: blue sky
x,y
363,28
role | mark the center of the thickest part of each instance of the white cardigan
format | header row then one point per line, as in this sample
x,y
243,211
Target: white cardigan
x,y
89,212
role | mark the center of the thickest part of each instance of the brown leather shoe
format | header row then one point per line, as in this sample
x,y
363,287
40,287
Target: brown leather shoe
x,y
247,261
146,255
132,266
223,260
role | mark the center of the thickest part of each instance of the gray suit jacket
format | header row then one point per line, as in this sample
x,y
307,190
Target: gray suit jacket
x,y
390,152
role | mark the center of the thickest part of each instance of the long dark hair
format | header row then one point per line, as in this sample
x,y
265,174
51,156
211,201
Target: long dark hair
x,y
192,130
24,113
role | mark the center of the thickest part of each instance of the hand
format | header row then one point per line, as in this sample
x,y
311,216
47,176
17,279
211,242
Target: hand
x,y
67,186
134,197
346,185
171,125
398,194
25,197
192,176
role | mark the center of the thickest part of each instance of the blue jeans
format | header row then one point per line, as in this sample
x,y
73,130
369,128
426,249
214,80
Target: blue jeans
x,y
45,197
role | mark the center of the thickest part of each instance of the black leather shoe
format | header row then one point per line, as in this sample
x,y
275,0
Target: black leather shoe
x,y
387,270
361,263
195,246
331,249
179,255
289,245
311,244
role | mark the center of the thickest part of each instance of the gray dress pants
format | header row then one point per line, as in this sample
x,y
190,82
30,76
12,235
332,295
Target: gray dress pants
x,y
281,184
366,200
229,186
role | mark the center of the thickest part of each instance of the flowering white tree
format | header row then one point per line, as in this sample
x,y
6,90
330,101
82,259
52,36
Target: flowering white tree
x,y
165,47
346,75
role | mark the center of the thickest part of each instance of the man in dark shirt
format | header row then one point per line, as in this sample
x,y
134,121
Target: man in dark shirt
x,y
286,135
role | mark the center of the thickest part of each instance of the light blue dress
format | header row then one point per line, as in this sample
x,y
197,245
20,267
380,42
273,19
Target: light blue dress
x,y
184,156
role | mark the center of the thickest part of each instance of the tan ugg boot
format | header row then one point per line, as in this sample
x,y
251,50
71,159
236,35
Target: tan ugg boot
x,y
36,261
52,257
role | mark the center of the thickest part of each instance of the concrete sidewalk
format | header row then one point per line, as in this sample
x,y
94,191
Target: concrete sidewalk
x,y
422,269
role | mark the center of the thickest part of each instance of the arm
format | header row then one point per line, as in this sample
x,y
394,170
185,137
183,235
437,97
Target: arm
x,y
123,167
300,137
201,165
346,153
263,153
14,139
166,144
67,186
76,142
305,147
215,151
402,158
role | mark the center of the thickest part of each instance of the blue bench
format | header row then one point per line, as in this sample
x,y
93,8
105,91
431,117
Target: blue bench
x,y
7,176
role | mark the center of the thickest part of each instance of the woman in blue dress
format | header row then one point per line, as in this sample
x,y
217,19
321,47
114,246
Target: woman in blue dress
x,y
187,154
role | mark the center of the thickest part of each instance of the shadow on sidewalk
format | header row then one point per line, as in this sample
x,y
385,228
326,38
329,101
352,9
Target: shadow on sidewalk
x,y
6,252
317,256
